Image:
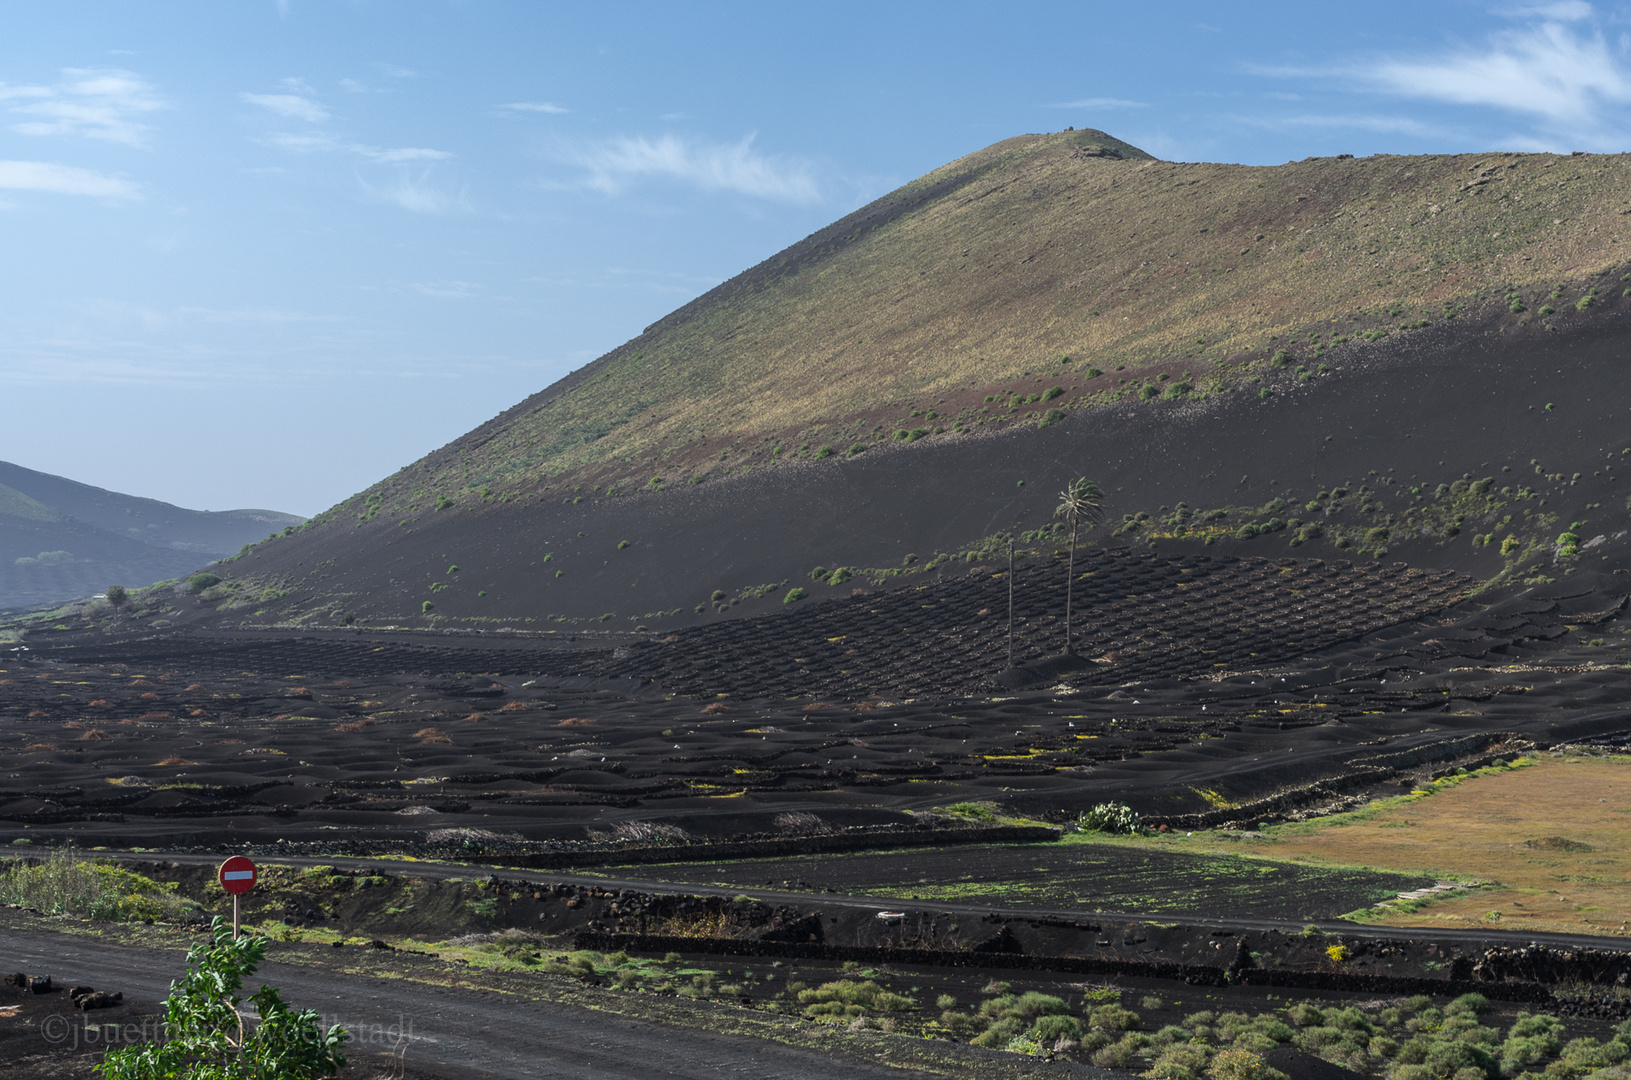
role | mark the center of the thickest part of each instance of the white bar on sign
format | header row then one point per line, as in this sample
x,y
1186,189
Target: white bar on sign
x,y
238,875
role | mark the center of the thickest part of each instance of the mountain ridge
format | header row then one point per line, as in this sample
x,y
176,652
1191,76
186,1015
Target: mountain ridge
x,y
61,539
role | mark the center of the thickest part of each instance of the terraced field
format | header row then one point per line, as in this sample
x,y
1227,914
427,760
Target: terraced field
x,y
1140,616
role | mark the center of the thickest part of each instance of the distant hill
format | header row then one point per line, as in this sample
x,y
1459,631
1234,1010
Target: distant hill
x,y
60,539
1418,358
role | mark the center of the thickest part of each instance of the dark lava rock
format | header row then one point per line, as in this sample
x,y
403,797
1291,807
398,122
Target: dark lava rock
x,y
1003,941
1301,1066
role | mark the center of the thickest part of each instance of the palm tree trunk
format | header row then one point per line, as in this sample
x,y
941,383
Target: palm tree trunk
x,y
1070,582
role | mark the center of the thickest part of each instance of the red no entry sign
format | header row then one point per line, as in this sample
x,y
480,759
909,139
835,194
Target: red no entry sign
x,y
237,875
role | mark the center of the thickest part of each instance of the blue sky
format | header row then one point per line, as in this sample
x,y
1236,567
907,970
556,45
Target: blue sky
x,y
264,253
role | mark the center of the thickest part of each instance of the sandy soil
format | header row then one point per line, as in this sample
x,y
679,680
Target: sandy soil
x,y
1552,838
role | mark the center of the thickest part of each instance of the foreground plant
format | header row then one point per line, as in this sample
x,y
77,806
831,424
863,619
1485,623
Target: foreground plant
x,y
207,1036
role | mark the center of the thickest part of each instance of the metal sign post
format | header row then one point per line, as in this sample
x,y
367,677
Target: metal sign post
x,y
237,876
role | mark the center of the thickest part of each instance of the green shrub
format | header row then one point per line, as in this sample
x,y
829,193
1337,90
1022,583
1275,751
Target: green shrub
x,y
1181,1061
201,581
840,575
1052,392
621,544
717,595
826,452
1052,1027
1049,418
857,448
1241,1064
1547,309
998,1034
850,998
1246,531
1476,1004
1108,817
65,884
1585,301
1280,358
1516,305
1149,391
443,502
1304,1015
1114,1018
206,1033
794,595
427,607
1119,1054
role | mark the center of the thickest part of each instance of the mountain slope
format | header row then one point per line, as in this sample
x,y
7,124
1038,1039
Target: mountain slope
x,y
1041,247
1336,358
60,539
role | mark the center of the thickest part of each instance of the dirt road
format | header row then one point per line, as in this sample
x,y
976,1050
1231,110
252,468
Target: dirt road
x,y
441,1031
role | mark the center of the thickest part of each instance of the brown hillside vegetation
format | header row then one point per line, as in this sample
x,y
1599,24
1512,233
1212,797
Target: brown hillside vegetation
x,y
994,267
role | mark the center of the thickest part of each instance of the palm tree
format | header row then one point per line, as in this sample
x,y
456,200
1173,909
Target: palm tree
x,y
1081,501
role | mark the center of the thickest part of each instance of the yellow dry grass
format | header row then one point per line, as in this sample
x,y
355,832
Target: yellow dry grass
x,y
1039,250
1553,838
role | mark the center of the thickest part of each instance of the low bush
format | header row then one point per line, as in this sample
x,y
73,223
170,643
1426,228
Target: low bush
x,y
794,595
201,581
850,998
65,884
1108,817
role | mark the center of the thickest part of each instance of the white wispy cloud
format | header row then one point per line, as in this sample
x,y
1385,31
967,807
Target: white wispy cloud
x,y
406,153
1560,70
1559,11
64,180
1388,125
300,144
418,194
453,290
298,106
1553,70
536,106
710,166
95,103
1100,103
318,143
